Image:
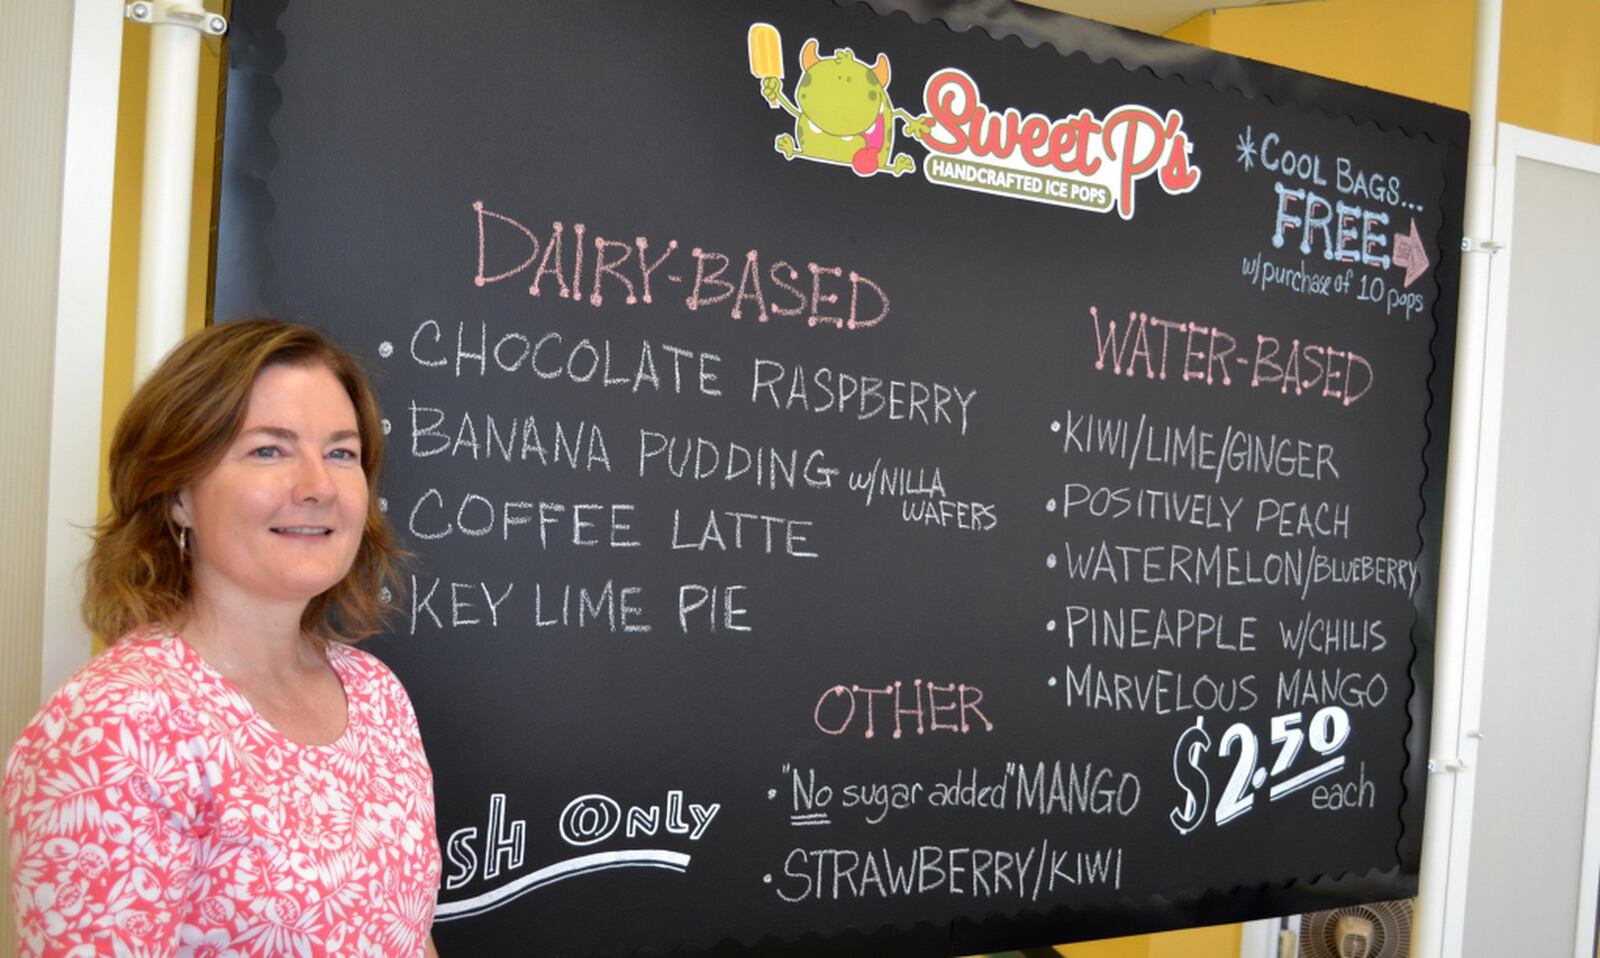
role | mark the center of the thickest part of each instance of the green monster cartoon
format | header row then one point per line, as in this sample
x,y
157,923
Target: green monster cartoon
x,y
841,108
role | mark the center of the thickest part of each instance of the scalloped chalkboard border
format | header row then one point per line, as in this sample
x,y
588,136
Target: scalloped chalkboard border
x,y
255,49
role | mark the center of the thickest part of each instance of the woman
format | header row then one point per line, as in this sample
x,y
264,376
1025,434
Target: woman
x,y
231,777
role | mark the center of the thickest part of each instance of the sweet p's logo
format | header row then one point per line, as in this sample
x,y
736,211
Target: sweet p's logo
x,y
1082,160
843,115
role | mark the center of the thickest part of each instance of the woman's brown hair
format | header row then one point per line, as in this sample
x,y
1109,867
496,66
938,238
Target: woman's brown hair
x,y
173,432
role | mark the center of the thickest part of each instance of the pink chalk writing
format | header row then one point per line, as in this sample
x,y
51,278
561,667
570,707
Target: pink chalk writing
x,y
1203,351
936,708
1343,374
1412,253
835,296
1194,353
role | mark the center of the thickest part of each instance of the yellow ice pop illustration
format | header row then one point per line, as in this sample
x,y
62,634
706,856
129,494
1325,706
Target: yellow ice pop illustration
x,y
766,52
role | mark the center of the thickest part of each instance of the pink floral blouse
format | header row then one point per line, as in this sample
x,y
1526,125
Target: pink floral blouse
x,y
151,811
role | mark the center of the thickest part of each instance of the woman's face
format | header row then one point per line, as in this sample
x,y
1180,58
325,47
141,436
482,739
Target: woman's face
x,y
280,517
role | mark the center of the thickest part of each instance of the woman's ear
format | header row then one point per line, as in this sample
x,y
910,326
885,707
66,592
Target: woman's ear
x,y
179,510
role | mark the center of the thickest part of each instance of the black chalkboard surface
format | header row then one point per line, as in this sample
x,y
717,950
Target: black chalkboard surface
x,y
896,477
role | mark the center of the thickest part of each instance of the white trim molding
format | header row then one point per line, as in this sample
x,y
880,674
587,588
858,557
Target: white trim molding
x,y
80,333
1514,145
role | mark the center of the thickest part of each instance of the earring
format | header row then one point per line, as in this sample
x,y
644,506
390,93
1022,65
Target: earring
x,y
183,540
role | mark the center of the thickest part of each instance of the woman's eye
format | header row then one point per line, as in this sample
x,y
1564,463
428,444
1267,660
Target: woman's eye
x,y
348,455
266,452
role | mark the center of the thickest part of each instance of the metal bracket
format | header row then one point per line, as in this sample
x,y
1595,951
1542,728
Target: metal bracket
x,y
1471,245
152,14
1437,765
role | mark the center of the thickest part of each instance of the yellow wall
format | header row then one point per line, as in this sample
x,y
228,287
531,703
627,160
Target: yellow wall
x,y
1219,941
1549,69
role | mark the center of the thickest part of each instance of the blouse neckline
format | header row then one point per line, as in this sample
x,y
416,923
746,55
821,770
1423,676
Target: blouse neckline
x,y
338,659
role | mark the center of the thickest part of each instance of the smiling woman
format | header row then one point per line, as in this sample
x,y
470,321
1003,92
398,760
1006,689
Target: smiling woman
x,y
231,777
181,425
277,521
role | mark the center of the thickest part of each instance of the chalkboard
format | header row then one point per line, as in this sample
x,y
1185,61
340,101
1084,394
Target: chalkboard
x,y
885,478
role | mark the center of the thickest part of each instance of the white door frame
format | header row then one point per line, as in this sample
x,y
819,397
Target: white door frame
x,y
82,281
1513,144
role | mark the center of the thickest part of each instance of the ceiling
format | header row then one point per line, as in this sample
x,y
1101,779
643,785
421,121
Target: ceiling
x,y
1148,16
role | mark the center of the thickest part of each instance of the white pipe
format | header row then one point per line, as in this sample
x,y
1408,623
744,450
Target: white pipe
x,y
1441,906
168,181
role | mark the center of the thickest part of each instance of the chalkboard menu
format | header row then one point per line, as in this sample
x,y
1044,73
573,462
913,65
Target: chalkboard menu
x,y
884,477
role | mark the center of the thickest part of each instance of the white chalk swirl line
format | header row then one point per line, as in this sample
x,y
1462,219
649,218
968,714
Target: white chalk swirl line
x,y
572,867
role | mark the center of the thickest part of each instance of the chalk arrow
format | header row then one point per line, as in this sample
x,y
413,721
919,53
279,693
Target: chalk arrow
x,y
1409,252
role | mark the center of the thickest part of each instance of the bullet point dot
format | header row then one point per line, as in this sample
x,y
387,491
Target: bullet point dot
x,y
1052,681
1050,560
1050,506
767,878
1055,426
386,427
1050,626
386,349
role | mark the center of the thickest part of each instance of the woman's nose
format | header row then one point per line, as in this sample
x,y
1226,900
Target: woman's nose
x,y
313,482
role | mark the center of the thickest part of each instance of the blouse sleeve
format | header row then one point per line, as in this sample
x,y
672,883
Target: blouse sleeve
x,y
97,807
